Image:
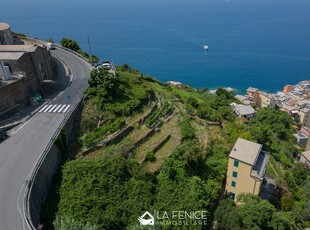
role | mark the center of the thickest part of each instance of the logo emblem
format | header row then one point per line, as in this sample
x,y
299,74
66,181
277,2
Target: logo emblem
x,y
146,219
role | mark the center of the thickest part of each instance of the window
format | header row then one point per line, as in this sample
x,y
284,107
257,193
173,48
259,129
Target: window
x,y
235,174
233,184
236,163
231,195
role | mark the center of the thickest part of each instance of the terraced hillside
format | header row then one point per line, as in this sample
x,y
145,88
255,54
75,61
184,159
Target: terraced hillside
x,y
144,145
153,126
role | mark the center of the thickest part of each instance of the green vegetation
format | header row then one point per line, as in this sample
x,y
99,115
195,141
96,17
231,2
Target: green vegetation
x,y
50,40
173,157
254,213
18,34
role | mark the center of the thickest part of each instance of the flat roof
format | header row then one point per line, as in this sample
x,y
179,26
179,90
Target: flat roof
x,y
17,48
306,154
11,55
243,110
268,95
174,82
246,151
251,89
4,26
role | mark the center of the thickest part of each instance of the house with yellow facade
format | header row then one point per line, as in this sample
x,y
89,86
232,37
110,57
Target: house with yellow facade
x,y
261,99
304,116
246,168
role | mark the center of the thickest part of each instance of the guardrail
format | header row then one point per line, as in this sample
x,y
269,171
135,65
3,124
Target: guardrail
x,y
57,45
32,175
35,170
75,53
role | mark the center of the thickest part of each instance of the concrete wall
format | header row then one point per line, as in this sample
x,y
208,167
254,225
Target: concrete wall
x,y
42,183
6,37
38,65
13,96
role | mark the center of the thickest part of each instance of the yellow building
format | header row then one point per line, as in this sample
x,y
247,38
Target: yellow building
x,y
261,99
246,168
304,116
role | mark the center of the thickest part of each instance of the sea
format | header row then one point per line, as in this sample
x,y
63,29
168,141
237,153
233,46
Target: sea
x,y
258,43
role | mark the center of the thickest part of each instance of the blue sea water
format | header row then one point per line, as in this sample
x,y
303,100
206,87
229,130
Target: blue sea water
x,y
258,43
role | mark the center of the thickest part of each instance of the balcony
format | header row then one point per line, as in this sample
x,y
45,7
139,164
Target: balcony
x,y
259,168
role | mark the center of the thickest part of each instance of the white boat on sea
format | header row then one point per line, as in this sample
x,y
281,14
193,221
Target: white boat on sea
x,y
206,47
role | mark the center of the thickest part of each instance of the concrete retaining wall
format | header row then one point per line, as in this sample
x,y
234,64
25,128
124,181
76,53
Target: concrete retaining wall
x,y
41,184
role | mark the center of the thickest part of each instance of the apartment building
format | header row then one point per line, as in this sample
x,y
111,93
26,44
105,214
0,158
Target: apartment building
x,y
246,168
260,98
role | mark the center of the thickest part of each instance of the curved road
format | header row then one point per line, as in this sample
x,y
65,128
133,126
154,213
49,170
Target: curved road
x,y
20,152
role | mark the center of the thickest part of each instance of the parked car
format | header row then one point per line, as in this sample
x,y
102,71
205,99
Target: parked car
x,y
50,46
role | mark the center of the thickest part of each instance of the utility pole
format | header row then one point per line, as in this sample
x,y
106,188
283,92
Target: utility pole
x,y
91,55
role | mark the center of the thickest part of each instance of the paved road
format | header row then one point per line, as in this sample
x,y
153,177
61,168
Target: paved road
x,y
19,153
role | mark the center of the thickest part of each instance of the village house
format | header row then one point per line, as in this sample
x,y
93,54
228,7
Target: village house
x,y
245,111
176,84
23,68
305,130
302,139
6,37
243,99
246,168
260,98
305,158
304,116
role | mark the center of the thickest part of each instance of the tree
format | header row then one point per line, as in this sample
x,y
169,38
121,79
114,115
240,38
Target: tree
x,y
187,130
300,173
66,223
287,203
255,212
50,40
103,84
226,216
70,44
225,93
193,102
283,221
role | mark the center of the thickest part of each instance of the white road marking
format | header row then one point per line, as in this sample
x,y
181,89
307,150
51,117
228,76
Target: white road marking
x,y
62,107
23,125
44,107
66,109
48,107
52,108
55,110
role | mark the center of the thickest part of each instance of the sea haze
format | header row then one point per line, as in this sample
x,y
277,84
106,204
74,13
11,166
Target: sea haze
x,y
258,43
